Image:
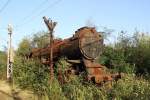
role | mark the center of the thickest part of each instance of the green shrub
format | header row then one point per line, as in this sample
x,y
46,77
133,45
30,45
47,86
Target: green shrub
x,y
75,90
3,65
130,88
114,58
31,74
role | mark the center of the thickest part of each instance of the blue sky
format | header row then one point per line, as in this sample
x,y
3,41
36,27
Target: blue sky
x,y
71,15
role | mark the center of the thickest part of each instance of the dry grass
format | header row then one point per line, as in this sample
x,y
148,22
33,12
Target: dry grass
x,y
7,93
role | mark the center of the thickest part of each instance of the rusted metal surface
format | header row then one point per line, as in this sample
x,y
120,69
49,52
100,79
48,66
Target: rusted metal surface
x,y
76,46
97,74
81,50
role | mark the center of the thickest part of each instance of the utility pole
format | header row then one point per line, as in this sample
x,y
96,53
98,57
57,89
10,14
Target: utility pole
x,y
50,25
9,56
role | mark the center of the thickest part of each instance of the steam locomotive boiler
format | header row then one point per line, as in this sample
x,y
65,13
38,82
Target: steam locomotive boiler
x,y
81,51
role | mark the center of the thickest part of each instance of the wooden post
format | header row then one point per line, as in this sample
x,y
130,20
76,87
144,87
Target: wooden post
x,y
50,25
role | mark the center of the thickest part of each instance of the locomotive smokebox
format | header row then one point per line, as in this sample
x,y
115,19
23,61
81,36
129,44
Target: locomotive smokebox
x,y
90,42
86,42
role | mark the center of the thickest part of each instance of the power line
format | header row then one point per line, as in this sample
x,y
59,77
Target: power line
x,y
53,4
4,6
42,11
34,10
29,15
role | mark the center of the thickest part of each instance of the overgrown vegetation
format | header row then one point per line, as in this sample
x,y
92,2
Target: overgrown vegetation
x,y
129,55
3,62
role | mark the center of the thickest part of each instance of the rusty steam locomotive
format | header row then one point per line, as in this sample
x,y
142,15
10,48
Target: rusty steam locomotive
x,y
81,51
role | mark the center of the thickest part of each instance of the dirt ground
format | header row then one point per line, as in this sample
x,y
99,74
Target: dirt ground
x,y
7,93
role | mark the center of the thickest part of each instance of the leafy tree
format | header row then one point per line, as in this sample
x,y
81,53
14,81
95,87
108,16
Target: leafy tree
x,y
3,64
24,47
40,39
